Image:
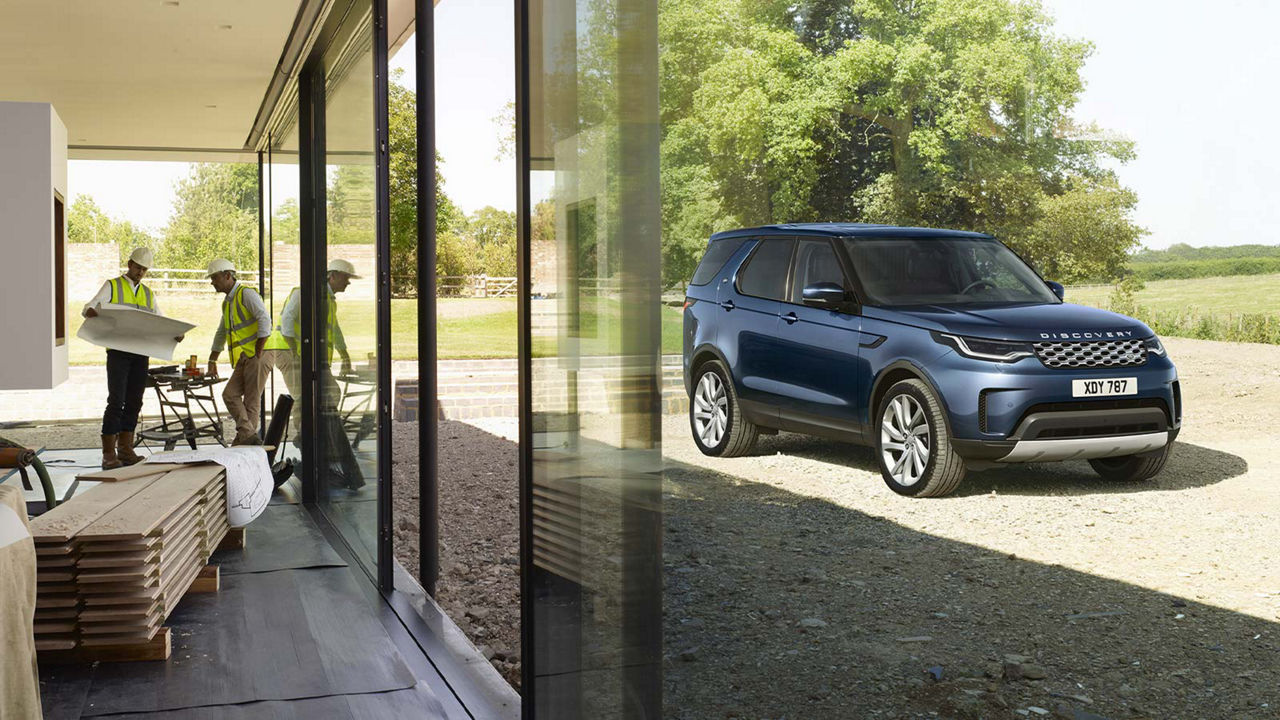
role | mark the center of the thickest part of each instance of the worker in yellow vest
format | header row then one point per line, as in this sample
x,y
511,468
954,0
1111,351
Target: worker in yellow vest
x,y
126,371
244,329
282,348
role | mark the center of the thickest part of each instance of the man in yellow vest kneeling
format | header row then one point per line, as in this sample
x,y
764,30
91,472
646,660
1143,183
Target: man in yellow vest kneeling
x,y
244,329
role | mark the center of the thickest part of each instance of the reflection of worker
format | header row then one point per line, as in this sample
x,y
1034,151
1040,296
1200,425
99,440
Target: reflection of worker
x,y
244,329
126,371
282,348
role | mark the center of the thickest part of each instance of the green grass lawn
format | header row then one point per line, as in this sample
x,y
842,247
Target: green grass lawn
x,y
466,328
1216,295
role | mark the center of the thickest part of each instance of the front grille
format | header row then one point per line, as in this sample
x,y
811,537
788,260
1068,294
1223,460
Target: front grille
x,y
1103,353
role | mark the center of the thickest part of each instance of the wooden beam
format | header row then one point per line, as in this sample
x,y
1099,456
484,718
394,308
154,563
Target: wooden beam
x,y
209,580
234,540
157,648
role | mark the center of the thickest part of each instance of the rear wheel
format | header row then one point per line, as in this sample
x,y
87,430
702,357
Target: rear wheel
x,y
913,445
1132,468
715,417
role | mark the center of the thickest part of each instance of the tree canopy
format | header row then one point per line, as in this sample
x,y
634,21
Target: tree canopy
x,y
945,113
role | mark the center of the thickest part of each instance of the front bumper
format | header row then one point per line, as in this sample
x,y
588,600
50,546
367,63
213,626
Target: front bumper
x,y
1025,412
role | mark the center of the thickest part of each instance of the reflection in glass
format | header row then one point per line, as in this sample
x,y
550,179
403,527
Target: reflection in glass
x,y
347,373
592,162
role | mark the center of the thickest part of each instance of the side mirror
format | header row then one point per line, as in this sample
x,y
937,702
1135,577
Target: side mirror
x,y
824,294
1057,289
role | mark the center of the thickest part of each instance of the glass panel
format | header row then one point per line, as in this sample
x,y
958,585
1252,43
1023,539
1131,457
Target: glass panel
x,y
595,375
816,262
280,183
348,372
765,274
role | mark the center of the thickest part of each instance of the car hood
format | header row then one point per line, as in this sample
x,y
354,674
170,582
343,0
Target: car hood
x,y
1027,322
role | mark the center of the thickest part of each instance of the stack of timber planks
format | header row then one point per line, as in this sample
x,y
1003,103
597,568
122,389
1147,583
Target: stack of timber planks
x,y
114,562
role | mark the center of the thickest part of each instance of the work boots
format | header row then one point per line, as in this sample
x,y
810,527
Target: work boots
x,y
124,449
110,461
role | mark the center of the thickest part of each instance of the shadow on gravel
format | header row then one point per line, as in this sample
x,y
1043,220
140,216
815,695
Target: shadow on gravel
x,y
1190,466
780,605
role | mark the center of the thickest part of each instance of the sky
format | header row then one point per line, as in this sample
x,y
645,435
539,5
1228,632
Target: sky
x,y
1190,82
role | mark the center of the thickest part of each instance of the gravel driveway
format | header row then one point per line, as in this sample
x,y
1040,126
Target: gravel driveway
x,y
799,586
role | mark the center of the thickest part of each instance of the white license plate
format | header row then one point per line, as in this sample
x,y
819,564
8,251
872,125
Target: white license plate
x,y
1103,387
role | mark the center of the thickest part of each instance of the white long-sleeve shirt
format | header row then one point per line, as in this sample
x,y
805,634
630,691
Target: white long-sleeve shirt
x,y
289,320
253,302
104,296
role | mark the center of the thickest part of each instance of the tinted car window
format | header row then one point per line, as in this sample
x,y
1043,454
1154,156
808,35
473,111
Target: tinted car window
x,y
816,262
765,274
718,253
944,271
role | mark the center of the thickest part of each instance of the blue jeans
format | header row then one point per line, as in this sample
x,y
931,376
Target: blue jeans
x,y
126,381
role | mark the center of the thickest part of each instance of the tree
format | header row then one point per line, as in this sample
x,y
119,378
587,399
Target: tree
x,y
215,214
951,113
403,134
493,232
87,223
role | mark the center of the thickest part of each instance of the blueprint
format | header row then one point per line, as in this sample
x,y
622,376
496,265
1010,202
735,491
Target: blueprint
x,y
249,482
121,327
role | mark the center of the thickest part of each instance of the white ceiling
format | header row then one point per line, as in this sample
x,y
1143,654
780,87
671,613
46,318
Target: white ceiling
x,y
138,74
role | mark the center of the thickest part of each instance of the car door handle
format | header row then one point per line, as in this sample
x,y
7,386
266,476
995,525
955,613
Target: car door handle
x,y
728,305
789,317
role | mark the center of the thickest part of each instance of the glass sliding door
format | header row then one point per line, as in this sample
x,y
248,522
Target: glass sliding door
x,y
339,204
587,129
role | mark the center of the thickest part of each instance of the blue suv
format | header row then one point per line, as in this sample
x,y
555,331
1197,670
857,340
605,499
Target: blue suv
x,y
941,349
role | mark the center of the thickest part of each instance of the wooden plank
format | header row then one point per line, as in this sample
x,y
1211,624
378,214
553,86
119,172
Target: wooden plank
x,y
208,580
92,591
53,644
172,599
57,601
148,622
123,598
56,614
45,628
118,575
130,472
157,648
107,613
62,523
53,550
106,560
119,547
151,506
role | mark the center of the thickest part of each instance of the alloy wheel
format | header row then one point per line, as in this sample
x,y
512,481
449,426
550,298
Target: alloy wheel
x,y
904,439
710,410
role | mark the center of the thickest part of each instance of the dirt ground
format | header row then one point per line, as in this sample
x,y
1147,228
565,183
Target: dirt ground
x,y
799,586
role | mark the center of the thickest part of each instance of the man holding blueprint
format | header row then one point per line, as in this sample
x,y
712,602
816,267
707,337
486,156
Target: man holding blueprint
x,y
126,367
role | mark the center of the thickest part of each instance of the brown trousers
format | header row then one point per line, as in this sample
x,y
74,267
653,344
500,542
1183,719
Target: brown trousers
x,y
243,394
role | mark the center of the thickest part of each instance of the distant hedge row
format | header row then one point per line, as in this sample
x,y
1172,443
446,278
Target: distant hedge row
x,y
1223,267
1230,327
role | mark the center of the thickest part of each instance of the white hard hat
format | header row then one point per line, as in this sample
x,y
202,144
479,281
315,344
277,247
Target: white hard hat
x,y
220,265
142,256
343,267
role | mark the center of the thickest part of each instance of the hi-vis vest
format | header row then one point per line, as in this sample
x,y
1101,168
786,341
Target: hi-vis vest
x,y
241,325
122,293
277,340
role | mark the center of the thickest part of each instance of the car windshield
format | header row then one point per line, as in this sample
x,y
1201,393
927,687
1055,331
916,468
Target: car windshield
x,y
944,271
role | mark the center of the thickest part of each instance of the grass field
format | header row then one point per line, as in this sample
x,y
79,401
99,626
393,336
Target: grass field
x,y
466,328
1217,295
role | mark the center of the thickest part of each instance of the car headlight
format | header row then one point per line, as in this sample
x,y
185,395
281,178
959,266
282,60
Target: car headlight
x,y
1154,346
983,349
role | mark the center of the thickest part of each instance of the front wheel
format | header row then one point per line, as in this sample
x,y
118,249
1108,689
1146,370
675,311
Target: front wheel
x,y
1132,468
719,429
913,444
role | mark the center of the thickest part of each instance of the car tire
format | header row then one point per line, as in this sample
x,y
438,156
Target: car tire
x,y
715,418
912,405
1132,468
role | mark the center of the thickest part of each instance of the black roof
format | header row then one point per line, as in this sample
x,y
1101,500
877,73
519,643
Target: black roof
x,y
845,230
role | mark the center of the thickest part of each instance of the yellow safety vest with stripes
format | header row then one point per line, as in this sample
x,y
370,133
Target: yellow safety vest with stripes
x,y
123,293
277,340
241,325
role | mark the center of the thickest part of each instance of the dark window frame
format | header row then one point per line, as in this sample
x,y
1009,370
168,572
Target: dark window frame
x,y
849,283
